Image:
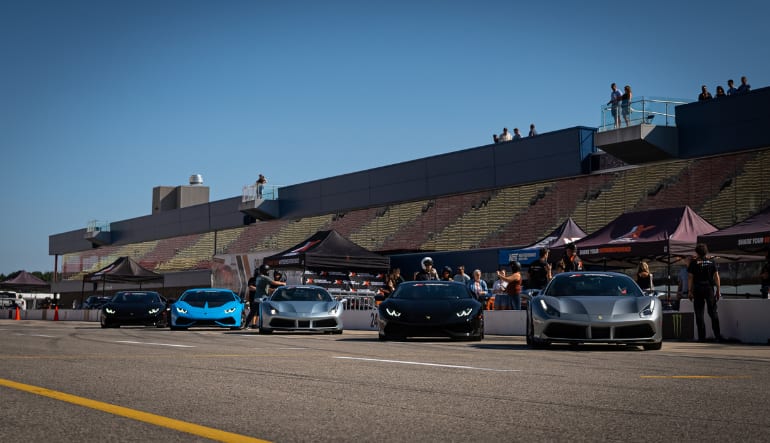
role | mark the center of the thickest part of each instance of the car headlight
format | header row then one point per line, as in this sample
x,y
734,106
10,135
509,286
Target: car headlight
x,y
229,310
649,309
548,308
334,309
392,312
465,312
109,310
154,311
181,310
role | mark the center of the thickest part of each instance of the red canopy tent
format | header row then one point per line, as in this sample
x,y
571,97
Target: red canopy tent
x,y
748,237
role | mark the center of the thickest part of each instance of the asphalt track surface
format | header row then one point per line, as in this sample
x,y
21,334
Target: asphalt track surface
x,y
76,382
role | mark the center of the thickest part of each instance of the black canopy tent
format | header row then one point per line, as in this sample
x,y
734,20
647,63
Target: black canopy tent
x,y
24,281
748,237
665,235
122,270
567,232
334,262
328,250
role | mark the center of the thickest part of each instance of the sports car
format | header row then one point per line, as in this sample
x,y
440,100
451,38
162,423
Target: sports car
x,y
208,307
300,308
431,309
134,308
594,307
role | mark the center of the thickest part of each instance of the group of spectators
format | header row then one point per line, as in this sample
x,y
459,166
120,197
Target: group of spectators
x,y
508,286
744,88
506,136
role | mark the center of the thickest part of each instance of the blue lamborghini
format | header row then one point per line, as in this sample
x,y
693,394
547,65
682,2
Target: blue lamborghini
x,y
208,307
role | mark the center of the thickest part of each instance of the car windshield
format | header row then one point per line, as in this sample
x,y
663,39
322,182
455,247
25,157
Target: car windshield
x,y
431,291
136,297
301,294
196,297
589,284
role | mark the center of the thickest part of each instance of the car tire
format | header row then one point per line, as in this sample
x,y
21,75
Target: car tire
x,y
653,346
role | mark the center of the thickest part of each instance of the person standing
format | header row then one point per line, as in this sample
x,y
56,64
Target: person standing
x,y
514,284
615,104
261,181
704,94
428,272
625,104
644,277
505,136
703,276
516,134
540,271
731,87
571,261
446,274
502,299
260,284
479,287
461,276
745,87
532,131
721,91
764,277
682,283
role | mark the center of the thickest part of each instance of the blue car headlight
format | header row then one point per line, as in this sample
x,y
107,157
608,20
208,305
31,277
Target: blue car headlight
x,y
181,310
465,312
550,310
392,312
109,310
649,309
229,310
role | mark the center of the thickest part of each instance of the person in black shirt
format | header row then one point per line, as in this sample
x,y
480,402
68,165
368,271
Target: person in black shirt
x,y
428,271
540,271
571,261
703,276
258,286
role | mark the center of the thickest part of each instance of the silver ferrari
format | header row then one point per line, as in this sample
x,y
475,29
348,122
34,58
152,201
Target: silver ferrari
x,y
594,307
300,308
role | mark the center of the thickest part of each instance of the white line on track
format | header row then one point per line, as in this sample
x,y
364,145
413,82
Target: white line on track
x,y
153,344
42,335
428,364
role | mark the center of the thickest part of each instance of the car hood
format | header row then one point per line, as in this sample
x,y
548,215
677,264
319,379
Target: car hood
x,y
304,307
133,306
430,307
608,305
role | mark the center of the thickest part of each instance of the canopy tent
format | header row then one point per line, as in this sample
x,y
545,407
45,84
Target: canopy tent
x,y
24,281
122,270
749,237
332,261
664,235
567,232
328,250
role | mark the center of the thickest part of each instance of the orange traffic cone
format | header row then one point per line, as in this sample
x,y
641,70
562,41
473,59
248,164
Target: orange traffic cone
x,y
56,313
18,314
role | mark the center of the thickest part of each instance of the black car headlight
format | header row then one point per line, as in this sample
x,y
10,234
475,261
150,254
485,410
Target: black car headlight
x,y
649,309
392,312
109,310
465,312
550,310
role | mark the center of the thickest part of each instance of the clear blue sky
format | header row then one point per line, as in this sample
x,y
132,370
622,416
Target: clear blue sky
x,y
102,100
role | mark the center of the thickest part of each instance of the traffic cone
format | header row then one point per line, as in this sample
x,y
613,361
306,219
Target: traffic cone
x,y
56,313
18,314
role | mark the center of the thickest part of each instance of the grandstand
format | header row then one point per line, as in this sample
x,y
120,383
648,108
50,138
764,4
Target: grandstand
x,y
439,203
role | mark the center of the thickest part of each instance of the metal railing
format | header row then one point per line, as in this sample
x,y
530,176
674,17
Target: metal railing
x,y
647,110
250,193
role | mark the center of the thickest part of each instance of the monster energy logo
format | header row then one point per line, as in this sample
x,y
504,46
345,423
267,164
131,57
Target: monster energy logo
x,y
677,321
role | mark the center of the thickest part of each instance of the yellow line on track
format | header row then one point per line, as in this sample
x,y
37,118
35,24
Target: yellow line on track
x,y
697,377
158,420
